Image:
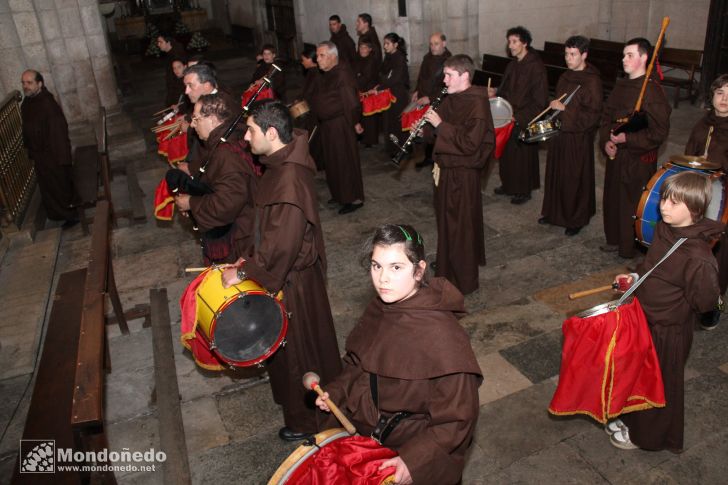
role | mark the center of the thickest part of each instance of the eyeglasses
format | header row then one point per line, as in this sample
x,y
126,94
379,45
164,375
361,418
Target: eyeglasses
x,y
197,118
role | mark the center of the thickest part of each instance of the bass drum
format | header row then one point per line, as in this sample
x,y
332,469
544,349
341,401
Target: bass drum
x,y
243,325
648,210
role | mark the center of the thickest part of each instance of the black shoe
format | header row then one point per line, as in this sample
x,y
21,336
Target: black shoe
x,y
543,220
519,199
609,248
709,320
350,207
499,191
424,163
287,434
69,223
572,231
332,201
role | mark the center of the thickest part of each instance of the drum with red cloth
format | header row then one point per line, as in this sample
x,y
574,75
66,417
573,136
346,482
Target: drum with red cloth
x,y
608,363
265,93
333,456
376,102
502,113
412,115
174,148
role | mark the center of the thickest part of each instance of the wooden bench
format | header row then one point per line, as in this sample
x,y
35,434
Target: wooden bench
x,y
67,401
685,62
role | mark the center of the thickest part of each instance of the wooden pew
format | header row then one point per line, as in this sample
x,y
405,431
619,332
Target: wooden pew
x,y
686,63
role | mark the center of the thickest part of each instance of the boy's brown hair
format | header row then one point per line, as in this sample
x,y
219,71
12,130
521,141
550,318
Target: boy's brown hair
x,y
461,63
692,188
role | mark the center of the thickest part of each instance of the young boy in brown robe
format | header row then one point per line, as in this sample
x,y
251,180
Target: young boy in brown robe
x,y
409,357
709,138
290,256
394,75
265,64
672,297
366,70
464,137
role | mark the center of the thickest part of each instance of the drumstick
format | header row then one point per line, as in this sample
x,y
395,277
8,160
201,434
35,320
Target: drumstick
x,y
195,270
593,291
707,142
313,132
544,111
162,111
488,82
311,381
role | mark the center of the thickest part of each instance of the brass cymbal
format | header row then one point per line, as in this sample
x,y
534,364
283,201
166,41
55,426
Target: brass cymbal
x,y
696,162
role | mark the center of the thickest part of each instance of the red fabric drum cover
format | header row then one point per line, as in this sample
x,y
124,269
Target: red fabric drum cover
x,y
372,104
411,117
608,365
266,93
163,202
191,337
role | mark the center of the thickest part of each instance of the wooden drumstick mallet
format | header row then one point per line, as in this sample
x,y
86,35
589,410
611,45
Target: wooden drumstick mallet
x,y
311,381
593,291
561,98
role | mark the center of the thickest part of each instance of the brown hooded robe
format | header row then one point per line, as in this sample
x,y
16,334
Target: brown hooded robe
x,y
394,75
366,70
344,44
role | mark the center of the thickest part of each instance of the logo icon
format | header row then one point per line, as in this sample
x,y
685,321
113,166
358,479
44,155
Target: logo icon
x,y
37,456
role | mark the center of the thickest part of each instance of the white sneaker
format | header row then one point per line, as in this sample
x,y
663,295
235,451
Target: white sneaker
x,y
621,440
613,426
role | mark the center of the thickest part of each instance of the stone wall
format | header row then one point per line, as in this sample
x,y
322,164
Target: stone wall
x,y
64,40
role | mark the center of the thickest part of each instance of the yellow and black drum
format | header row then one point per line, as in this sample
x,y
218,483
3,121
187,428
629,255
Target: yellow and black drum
x,y
243,325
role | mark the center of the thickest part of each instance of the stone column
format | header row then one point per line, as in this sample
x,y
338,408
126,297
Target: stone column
x,y
64,40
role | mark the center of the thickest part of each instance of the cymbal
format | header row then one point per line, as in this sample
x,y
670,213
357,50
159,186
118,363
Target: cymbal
x,y
696,162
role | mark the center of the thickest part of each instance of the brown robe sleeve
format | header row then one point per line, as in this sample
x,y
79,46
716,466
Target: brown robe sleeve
x,y
462,140
394,74
436,454
223,205
696,142
281,241
701,285
658,124
584,112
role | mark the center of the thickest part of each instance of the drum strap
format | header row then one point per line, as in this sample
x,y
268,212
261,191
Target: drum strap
x,y
385,424
642,279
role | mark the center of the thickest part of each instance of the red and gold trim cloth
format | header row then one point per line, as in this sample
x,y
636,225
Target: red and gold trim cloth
x,y
265,93
608,366
411,117
191,337
175,148
163,202
377,102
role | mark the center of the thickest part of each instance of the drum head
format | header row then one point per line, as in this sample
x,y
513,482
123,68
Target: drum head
x,y
502,112
696,163
249,329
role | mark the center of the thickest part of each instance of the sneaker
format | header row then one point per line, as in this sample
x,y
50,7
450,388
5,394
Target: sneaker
x,y
621,440
614,426
709,320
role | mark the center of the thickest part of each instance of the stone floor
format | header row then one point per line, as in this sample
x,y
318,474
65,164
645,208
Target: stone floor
x,y
514,323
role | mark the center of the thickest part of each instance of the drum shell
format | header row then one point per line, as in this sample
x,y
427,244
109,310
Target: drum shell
x,y
648,209
299,109
213,301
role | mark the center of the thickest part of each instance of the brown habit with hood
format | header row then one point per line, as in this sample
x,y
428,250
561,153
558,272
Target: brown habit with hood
x,y
231,176
635,163
335,101
463,144
45,135
683,286
173,83
291,257
366,70
526,88
431,76
718,153
393,74
309,122
424,365
568,198
344,44
371,37
278,83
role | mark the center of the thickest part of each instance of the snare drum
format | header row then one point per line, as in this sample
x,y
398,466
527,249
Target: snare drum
x,y
540,131
242,325
648,210
299,109
377,102
608,363
502,113
412,115
333,456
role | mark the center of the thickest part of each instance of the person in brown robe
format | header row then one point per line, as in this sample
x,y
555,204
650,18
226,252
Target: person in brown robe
x,y
710,134
525,87
409,343
336,105
340,36
308,121
366,70
632,156
394,75
176,90
265,64
290,257
673,295
568,197
430,82
45,136
172,50
366,32
226,216
464,137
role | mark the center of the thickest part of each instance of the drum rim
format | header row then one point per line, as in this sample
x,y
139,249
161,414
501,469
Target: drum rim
x,y
504,101
603,308
271,350
303,452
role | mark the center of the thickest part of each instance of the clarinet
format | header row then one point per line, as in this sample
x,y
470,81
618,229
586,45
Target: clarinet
x,y
405,148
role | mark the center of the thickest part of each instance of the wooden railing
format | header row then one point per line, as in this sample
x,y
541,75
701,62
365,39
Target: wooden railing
x,y
17,175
